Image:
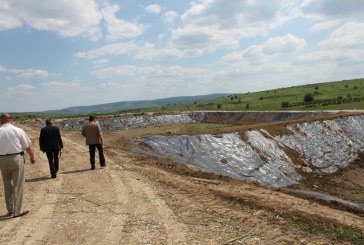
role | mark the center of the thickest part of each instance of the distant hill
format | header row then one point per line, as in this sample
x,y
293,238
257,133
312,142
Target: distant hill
x,y
337,95
127,105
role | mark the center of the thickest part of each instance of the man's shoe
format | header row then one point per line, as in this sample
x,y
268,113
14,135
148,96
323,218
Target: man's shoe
x,y
54,176
104,165
21,214
93,168
9,214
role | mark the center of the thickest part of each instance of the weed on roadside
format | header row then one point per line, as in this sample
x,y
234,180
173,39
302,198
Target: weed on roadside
x,y
334,233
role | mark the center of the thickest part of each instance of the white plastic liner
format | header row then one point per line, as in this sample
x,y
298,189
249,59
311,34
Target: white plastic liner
x,y
228,155
138,121
328,145
325,147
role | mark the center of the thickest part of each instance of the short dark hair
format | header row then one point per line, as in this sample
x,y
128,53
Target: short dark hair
x,y
92,118
49,121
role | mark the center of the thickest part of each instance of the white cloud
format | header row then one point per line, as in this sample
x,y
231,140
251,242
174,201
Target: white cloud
x,y
109,49
119,28
100,62
334,8
350,35
8,21
68,18
29,73
148,71
53,94
125,70
21,89
324,25
7,18
65,17
317,57
152,82
146,51
161,36
172,71
2,68
287,44
56,89
230,14
170,16
191,46
153,8
217,24
24,87
338,57
269,57
199,40
109,85
53,84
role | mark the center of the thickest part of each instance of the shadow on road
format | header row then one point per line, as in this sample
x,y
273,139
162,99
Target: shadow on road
x,y
5,217
36,179
75,171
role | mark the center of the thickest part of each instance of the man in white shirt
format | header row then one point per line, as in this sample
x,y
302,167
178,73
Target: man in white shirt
x,y
13,142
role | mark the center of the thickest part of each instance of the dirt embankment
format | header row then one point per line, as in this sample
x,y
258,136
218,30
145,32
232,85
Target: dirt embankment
x,y
137,200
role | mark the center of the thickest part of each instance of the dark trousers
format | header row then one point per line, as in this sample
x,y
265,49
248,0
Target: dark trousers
x,y
92,149
53,161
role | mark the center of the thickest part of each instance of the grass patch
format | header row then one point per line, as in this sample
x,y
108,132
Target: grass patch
x,y
338,234
347,234
351,93
308,226
201,127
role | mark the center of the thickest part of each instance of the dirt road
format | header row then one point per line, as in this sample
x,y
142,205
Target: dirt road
x,y
145,201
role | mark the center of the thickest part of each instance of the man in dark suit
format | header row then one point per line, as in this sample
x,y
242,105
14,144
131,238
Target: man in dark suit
x,y
50,142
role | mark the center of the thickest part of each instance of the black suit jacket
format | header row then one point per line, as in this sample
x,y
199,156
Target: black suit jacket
x,y
50,139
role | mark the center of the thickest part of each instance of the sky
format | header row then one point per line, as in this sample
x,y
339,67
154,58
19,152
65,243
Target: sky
x,y
62,53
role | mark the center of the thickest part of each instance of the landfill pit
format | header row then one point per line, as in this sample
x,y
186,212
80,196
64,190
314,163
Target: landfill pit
x,y
293,150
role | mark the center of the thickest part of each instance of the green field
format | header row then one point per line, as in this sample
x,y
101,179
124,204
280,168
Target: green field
x,y
340,95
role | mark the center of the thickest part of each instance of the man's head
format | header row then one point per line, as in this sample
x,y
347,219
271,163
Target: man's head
x,y
49,122
5,118
92,118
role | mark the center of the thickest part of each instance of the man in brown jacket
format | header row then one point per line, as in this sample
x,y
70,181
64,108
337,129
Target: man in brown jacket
x,y
93,135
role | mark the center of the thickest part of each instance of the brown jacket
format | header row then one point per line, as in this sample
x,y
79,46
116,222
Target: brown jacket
x,y
92,132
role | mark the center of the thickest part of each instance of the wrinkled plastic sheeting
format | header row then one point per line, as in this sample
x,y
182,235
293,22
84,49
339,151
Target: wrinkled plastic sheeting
x,y
139,121
228,155
77,126
353,126
277,160
328,145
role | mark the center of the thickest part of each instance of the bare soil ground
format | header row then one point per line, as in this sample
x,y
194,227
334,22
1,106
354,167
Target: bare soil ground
x,y
139,200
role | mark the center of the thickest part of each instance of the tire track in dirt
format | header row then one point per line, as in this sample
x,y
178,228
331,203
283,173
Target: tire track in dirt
x,y
133,206
149,219
90,201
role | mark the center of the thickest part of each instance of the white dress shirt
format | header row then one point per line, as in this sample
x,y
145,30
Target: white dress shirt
x,y
13,139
